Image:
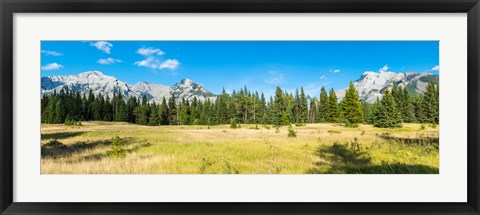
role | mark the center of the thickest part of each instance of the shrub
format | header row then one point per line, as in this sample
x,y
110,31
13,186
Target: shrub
x,y
54,143
363,133
72,122
334,132
229,168
205,163
277,130
233,123
350,124
422,127
117,149
291,132
301,123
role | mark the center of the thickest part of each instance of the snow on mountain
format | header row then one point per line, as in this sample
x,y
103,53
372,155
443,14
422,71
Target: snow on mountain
x,y
106,85
188,89
83,82
372,84
154,92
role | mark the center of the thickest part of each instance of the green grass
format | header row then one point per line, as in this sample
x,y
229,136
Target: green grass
x,y
316,149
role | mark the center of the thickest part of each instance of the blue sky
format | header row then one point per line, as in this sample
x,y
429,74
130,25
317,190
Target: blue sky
x,y
260,65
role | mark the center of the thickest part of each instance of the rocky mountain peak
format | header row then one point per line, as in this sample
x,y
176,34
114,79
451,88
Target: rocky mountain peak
x,y
372,84
98,83
186,81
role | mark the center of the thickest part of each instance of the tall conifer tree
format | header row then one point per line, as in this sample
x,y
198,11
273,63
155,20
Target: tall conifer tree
x,y
352,107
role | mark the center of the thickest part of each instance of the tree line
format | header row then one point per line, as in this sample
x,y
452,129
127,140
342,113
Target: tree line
x,y
396,107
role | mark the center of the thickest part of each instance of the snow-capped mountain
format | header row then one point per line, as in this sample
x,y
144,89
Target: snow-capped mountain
x,y
106,85
153,92
372,84
188,89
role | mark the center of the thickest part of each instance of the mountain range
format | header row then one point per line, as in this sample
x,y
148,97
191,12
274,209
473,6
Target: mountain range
x,y
369,86
106,85
373,84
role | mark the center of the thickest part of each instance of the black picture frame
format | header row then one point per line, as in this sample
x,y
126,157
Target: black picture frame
x,y
9,7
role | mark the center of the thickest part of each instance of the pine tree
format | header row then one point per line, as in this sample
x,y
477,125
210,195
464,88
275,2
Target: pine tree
x,y
417,102
98,108
183,115
323,105
142,112
222,108
397,95
285,120
173,111
313,110
407,108
333,112
296,107
352,107
89,107
278,107
59,112
303,107
131,107
154,115
121,109
386,114
50,111
107,109
164,112
368,112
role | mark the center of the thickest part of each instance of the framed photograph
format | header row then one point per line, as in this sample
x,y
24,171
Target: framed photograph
x,y
239,107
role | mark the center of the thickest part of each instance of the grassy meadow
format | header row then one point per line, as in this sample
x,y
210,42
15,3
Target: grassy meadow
x,y
317,149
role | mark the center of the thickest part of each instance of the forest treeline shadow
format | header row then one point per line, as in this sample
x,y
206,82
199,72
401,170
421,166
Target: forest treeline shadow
x,y
61,135
352,158
61,150
412,141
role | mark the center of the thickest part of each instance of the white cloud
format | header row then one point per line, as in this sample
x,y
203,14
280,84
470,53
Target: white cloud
x,y
108,61
149,51
149,62
335,70
436,68
384,68
102,46
169,64
154,61
274,77
323,77
52,66
51,53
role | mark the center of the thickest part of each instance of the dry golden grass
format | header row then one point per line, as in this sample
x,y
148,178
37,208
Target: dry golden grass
x,y
220,150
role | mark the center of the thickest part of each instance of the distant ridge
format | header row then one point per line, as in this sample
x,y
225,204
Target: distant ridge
x,y
372,84
106,85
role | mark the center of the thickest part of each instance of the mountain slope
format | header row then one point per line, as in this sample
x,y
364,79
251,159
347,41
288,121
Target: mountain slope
x,y
106,85
372,84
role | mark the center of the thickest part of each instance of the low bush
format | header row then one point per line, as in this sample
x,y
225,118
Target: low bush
x,y
117,148
422,127
54,143
72,122
334,132
233,123
291,132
